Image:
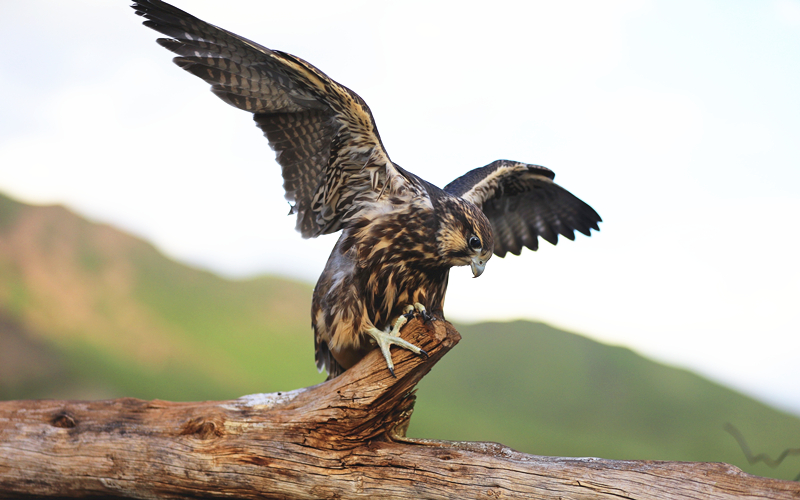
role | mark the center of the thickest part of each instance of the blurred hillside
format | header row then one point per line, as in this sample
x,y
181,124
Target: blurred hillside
x,y
120,318
87,311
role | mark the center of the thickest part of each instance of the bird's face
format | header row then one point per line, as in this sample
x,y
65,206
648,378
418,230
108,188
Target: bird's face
x,y
465,237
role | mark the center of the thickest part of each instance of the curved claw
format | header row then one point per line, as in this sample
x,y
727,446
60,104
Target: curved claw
x,y
427,318
417,308
386,340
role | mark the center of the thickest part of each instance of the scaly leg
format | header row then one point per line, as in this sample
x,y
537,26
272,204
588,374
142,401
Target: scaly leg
x,y
386,340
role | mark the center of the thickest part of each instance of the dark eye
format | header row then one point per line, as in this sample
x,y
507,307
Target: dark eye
x,y
475,243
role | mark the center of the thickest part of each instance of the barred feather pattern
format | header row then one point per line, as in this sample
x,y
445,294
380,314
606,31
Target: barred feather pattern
x,y
523,203
300,140
332,135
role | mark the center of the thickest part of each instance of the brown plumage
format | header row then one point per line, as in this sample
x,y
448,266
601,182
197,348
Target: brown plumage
x,y
400,234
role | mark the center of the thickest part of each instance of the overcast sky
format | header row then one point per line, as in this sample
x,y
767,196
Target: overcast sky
x,y
678,121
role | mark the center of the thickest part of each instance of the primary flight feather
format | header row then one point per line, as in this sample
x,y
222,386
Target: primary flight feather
x,y
400,233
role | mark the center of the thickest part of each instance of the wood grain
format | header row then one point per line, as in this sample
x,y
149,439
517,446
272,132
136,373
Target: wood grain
x,y
340,439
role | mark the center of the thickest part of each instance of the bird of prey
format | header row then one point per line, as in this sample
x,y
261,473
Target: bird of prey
x,y
400,234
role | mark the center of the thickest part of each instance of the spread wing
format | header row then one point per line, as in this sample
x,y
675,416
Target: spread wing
x,y
522,202
324,135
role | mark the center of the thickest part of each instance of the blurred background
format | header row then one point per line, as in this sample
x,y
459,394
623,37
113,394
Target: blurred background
x,y
145,249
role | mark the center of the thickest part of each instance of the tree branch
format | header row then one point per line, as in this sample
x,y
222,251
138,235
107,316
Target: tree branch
x,y
340,439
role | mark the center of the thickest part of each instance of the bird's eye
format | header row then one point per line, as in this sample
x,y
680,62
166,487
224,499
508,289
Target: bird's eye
x,y
475,243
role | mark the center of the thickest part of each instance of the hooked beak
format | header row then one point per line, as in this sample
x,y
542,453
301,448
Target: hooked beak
x,y
477,266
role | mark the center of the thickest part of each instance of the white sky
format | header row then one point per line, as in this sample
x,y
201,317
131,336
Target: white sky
x,y
678,121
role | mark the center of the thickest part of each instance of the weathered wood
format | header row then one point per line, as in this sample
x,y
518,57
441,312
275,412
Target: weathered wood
x,y
340,439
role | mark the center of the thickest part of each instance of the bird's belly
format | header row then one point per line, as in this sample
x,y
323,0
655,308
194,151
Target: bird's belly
x,y
374,272
396,287
343,313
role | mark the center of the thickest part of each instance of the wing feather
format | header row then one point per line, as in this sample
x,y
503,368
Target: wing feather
x,y
323,134
523,203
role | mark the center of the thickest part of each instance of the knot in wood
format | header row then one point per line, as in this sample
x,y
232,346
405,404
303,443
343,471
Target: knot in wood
x,y
63,420
203,428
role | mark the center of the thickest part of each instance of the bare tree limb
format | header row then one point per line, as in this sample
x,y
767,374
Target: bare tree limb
x,y
340,439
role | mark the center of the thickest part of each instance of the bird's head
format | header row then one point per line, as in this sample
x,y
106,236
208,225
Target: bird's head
x,y
465,236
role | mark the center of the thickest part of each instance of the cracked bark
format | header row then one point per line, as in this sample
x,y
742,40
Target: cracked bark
x,y
344,438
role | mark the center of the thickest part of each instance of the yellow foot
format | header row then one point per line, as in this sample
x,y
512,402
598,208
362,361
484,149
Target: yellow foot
x,y
386,340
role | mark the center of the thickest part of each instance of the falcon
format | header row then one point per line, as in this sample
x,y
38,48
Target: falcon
x,y
400,234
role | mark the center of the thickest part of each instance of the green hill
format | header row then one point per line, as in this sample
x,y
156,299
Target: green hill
x,y
87,311
124,319
563,394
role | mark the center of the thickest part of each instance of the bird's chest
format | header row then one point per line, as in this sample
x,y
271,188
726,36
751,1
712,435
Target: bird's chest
x,y
397,264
